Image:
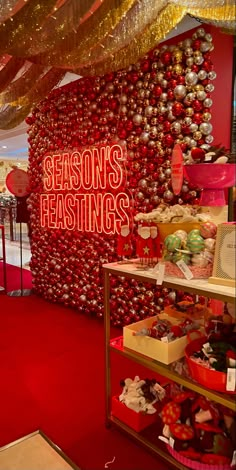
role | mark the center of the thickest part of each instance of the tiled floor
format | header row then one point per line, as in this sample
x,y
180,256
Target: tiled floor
x,y
13,251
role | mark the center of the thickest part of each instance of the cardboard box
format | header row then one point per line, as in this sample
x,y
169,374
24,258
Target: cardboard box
x,y
152,347
136,421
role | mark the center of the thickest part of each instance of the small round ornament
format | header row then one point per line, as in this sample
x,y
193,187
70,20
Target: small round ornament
x,y
209,244
199,259
180,256
172,242
181,234
195,243
208,255
193,233
208,230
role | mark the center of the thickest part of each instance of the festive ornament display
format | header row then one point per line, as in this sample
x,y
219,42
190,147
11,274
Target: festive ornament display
x,y
151,106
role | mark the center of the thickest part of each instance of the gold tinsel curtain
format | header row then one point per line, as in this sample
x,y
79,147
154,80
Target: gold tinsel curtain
x,y
88,37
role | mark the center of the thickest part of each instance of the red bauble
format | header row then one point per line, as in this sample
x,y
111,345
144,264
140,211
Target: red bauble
x,y
177,109
207,65
197,154
197,105
170,95
157,91
196,44
166,126
145,66
197,118
166,57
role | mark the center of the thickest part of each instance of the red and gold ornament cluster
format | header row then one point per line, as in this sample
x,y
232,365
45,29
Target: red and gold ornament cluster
x,y
162,100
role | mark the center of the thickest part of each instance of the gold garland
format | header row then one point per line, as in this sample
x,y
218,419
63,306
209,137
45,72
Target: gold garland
x,y
148,39
111,36
16,31
55,28
90,32
137,18
13,116
9,71
21,86
41,88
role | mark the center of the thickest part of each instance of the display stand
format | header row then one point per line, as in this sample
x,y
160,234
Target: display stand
x,y
22,216
199,287
17,182
20,292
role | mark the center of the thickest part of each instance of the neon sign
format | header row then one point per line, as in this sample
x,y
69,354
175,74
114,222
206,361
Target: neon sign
x,y
84,190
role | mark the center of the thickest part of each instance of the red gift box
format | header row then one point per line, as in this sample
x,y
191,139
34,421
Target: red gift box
x,y
136,421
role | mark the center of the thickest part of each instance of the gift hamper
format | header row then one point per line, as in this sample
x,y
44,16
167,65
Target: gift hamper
x,y
198,433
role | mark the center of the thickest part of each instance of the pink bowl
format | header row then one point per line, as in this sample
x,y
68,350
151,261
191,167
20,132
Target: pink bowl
x,y
213,178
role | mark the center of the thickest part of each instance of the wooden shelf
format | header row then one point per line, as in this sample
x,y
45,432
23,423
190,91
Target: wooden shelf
x,y
225,399
194,286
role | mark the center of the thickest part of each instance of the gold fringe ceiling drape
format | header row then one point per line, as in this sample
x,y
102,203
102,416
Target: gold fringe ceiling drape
x,y
88,37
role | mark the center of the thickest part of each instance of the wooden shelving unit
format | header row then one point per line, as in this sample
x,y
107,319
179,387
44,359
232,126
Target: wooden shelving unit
x,y
3,289
199,287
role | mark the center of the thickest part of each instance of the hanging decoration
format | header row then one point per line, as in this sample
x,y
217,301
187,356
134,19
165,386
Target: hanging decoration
x,y
88,37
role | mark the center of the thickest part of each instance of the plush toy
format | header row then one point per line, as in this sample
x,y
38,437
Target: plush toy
x,y
140,395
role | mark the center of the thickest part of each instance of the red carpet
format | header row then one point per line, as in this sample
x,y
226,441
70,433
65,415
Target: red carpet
x,y
52,378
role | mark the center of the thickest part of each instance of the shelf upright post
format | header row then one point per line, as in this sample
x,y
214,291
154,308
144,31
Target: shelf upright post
x,y
107,345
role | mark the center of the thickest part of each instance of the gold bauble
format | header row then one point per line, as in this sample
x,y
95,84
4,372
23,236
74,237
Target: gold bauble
x,y
206,117
189,111
177,57
197,135
178,69
198,87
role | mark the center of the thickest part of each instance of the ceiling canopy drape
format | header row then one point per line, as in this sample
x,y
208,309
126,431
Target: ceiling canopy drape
x,y
42,40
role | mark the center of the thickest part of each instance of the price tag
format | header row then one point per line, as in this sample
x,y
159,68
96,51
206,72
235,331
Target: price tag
x,y
185,269
233,463
164,439
171,442
164,339
160,274
231,380
156,268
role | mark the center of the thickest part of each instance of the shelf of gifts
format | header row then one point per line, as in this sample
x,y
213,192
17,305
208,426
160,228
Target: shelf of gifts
x,y
176,372
187,429
133,269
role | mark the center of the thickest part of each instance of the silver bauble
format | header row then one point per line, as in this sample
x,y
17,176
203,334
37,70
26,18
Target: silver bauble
x,y
202,74
205,128
209,139
201,95
191,78
180,92
168,195
137,119
209,88
205,46
144,137
148,111
208,102
212,75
